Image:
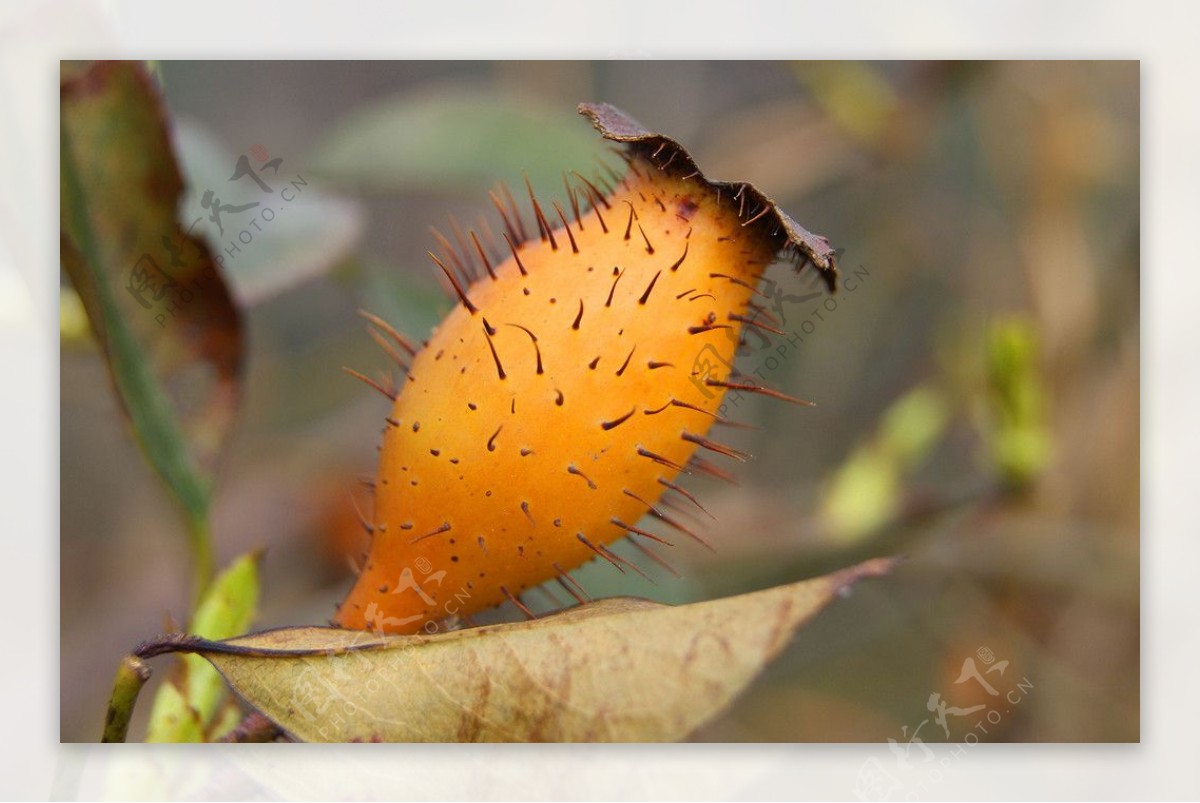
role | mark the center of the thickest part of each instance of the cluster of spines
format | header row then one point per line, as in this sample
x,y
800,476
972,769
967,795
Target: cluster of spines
x,y
466,257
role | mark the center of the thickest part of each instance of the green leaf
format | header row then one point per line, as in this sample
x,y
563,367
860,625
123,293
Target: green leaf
x,y
418,141
172,719
615,670
1017,430
866,491
155,302
393,294
185,706
913,425
863,495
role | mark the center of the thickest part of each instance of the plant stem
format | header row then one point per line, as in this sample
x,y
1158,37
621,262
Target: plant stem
x,y
200,539
132,674
254,728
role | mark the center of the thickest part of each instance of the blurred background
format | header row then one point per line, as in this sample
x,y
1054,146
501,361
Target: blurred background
x,y
976,376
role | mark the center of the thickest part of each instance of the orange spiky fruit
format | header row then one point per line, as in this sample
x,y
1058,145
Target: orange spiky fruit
x,y
577,378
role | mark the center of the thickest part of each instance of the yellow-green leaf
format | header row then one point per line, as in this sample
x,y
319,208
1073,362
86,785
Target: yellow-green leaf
x,y
865,492
616,670
185,705
1017,429
914,424
171,718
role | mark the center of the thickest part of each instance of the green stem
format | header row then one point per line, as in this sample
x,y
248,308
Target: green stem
x,y
200,539
132,674
154,422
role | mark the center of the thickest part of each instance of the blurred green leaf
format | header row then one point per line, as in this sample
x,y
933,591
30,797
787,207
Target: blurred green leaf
x,y
1017,426
413,306
432,139
912,425
154,299
185,707
854,94
863,495
866,491
305,236
72,319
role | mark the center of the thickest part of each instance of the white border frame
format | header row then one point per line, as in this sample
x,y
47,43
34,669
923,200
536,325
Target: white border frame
x,y
35,35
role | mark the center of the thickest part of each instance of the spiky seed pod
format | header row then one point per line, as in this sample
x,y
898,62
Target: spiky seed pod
x,y
577,378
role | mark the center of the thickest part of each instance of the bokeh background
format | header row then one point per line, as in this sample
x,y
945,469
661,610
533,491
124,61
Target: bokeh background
x,y
977,379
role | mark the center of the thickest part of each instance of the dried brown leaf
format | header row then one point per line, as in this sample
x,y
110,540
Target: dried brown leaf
x,y
619,670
